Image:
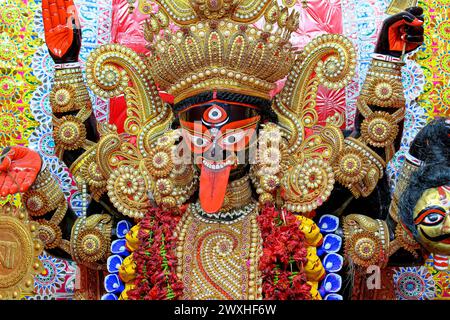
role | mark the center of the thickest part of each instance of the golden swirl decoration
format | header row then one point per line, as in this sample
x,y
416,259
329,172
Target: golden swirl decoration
x,y
109,70
127,190
328,60
307,185
19,251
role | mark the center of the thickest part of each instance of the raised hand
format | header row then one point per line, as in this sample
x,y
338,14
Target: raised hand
x,y
401,33
62,30
19,167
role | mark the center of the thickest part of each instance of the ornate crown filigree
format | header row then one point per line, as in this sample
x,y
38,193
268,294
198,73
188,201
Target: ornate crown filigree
x,y
218,47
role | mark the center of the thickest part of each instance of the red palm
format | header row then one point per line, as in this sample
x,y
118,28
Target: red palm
x,y
62,30
18,170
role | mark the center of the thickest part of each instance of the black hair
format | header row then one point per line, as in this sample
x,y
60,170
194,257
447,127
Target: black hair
x,y
427,177
264,105
432,146
432,143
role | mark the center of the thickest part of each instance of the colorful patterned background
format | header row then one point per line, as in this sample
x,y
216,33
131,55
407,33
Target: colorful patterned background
x,y
26,75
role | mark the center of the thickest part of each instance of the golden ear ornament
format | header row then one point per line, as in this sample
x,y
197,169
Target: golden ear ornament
x,y
21,247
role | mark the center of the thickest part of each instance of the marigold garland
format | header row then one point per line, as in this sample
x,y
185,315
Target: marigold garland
x,y
155,258
284,254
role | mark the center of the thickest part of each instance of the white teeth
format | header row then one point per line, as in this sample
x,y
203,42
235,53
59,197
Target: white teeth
x,y
213,166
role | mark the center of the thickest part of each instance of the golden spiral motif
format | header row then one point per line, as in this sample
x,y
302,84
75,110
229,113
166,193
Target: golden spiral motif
x,y
127,191
363,249
92,245
350,167
306,186
49,233
69,133
36,203
93,176
169,202
379,129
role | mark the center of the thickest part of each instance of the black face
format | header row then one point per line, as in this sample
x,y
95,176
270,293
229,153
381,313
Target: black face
x,y
220,133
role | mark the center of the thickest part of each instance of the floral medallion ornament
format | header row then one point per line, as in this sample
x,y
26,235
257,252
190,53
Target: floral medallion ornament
x,y
69,133
363,249
20,248
92,245
350,166
379,129
62,97
414,283
384,92
36,203
159,163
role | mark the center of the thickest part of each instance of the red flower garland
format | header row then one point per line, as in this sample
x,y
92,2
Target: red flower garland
x,y
155,258
284,254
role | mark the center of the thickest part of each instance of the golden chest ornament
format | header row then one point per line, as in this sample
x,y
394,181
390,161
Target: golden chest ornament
x,y
219,259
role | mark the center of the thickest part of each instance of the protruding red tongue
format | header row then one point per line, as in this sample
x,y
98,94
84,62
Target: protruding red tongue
x,y
213,185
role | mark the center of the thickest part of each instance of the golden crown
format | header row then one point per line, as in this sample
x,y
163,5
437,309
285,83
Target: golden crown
x,y
217,46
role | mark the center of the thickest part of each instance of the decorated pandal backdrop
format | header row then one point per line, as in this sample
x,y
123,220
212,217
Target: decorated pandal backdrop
x,y
27,72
